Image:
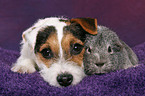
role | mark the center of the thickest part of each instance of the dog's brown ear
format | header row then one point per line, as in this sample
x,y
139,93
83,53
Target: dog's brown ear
x,y
88,24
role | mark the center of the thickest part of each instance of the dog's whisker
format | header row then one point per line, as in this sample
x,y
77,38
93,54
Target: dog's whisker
x,y
69,59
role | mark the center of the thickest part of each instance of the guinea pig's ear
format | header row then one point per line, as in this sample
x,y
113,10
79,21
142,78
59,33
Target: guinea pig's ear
x,y
131,55
88,24
29,36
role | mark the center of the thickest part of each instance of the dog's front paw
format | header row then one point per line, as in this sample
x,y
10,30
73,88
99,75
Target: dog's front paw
x,y
25,66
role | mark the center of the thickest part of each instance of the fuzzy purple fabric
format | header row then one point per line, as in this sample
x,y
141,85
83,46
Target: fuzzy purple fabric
x,y
129,82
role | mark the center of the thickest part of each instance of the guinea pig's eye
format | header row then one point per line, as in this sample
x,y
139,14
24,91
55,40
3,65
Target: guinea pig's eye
x,y
88,50
76,49
114,48
109,49
47,53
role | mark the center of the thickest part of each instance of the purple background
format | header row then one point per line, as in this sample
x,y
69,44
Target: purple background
x,y
125,17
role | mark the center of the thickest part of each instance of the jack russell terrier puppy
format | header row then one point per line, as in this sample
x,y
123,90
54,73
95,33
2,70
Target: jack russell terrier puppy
x,y
56,46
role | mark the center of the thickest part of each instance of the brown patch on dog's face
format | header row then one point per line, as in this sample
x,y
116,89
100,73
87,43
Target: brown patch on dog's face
x,y
68,44
50,45
47,44
78,58
52,42
47,62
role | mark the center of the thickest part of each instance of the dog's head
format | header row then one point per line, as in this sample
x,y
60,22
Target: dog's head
x,y
57,44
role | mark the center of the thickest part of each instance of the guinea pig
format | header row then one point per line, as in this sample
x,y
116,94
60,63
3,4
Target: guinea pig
x,y
105,52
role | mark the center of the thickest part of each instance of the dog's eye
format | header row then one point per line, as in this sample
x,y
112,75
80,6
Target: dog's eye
x,y
76,49
47,53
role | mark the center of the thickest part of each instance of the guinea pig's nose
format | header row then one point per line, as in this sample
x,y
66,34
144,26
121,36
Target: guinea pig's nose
x,y
100,64
65,79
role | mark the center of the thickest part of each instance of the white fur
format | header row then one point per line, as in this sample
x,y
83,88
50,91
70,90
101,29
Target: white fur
x,y
27,60
25,63
60,35
50,74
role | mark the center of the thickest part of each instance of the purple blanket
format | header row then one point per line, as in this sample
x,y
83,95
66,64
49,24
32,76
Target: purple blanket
x,y
130,82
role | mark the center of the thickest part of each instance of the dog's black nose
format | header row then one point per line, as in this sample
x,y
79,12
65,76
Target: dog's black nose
x,y
65,79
